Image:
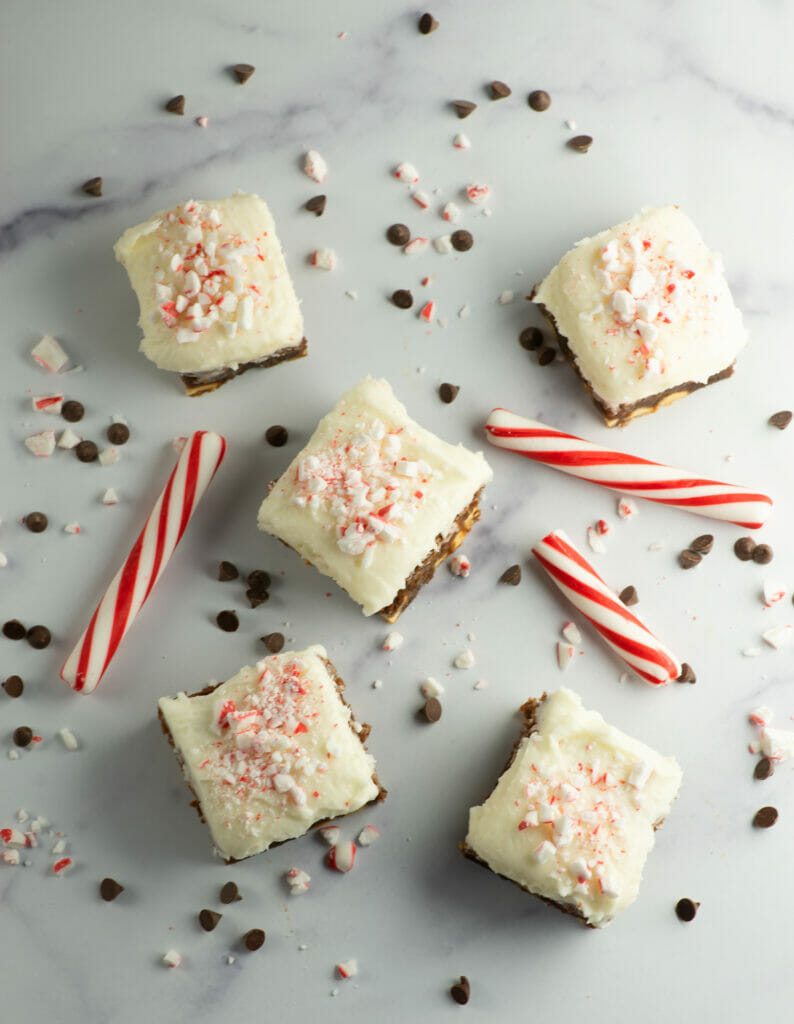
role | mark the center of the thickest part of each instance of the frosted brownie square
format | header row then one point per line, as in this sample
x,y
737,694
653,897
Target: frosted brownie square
x,y
271,752
214,291
572,817
375,501
644,313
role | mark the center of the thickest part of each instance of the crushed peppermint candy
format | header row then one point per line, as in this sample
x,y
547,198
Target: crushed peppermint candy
x,y
602,527
72,527
406,172
393,641
427,311
298,881
416,246
477,193
3,559
48,403
465,659
330,834
368,835
774,591
324,259
594,540
69,739
42,445
431,687
778,636
172,958
341,856
627,508
443,244
571,633
315,166
49,354
777,744
11,857
461,141
347,968
11,837
68,439
451,213
761,716
565,655
459,565
110,497
420,198
506,297
109,456
60,867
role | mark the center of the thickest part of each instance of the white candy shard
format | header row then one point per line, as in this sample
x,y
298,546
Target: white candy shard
x,y
348,968
443,244
298,881
172,958
48,403
68,439
110,497
774,591
3,560
565,653
393,641
406,172
571,633
459,565
324,259
778,636
461,141
315,166
368,835
11,857
421,198
416,246
431,687
451,213
341,856
330,834
69,738
542,853
42,445
72,528
761,715
594,540
627,508
777,744
477,193
506,297
11,837
464,660
109,456
49,354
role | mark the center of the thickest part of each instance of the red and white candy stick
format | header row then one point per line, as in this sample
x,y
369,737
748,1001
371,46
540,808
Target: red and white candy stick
x,y
628,474
145,564
623,631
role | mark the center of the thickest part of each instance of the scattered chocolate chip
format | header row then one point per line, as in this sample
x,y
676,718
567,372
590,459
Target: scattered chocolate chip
x,y
629,596
702,544
176,105
242,72
687,674
274,642
461,240
93,187
763,769
39,637
546,355
581,143
427,24
744,548
432,709
686,909
762,554
118,433
228,621
23,734
14,686
780,419
539,100
227,571
109,889
765,817
256,597
230,893
398,234
315,205
14,630
259,580
530,338
277,436
499,91
688,559
72,411
511,575
448,392
208,919
464,107
254,939
402,298
461,990
36,522
86,451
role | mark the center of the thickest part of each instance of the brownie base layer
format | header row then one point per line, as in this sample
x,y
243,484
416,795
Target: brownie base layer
x,y
362,735
202,383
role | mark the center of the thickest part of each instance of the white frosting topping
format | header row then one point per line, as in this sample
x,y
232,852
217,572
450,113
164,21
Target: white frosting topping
x,y
572,818
366,498
212,285
645,307
270,751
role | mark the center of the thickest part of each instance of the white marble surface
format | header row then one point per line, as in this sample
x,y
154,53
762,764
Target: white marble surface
x,y
688,103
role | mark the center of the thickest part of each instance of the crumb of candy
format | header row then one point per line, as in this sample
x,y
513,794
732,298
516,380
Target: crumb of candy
x,y
420,198
393,641
347,968
377,684
58,848
571,125
406,172
60,867
68,439
49,354
341,856
627,508
13,755
330,834
594,540
461,141
431,687
202,121
324,259
465,659
565,653
230,959
773,591
42,445
69,738
315,166
110,497
11,857
571,633
48,403
72,528
416,246
477,193
463,312
657,545
459,565
778,636
451,213
443,244
368,835
353,295
602,527
761,715
426,313
506,297
298,881
172,958
3,560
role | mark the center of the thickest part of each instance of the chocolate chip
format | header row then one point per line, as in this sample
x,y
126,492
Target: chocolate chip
x,y
780,419
23,734
461,240
686,909
402,298
39,637
72,411
427,24
581,143
36,522
511,575
530,338
702,544
464,107
92,187
109,889
398,234
274,642
230,893
448,392
461,990
208,919
499,91
546,355
744,548
687,674
14,630
227,571
259,580
688,559
315,205
763,769
14,686
765,817
118,433
539,100
432,709
762,554
176,105
228,621
628,596
277,436
254,939
242,72
256,597
86,451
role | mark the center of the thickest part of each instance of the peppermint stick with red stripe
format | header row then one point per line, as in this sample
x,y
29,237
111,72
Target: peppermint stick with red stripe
x,y
628,474
623,631
145,564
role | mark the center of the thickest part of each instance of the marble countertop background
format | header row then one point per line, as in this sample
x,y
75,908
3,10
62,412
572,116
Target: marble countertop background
x,y
687,103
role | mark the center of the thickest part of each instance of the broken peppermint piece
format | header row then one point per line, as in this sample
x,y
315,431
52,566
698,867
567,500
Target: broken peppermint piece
x,y
110,497
431,687
477,193
774,591
48,403
324,259
42,445
72,528
60,867
172,958
464,660
443,244
565,653
108,456
298,881
393,641
451,213
49,354
330,834
3,560
69,739
761,716
461,141
406,172
368,835
348,968
594,540
426,312
571,633
68,439
11,857
315,166
421,198
416,246
341,856
459,565
777,744
10,837
627,508
778,636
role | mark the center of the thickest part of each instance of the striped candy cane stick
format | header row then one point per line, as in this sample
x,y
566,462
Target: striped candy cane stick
x,y
623,631
145,564
628,474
